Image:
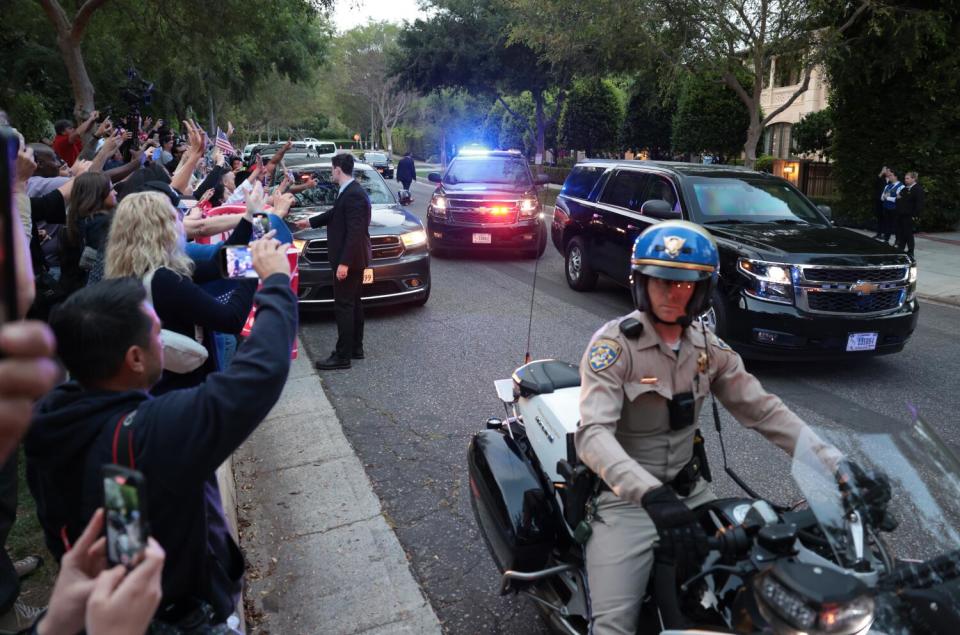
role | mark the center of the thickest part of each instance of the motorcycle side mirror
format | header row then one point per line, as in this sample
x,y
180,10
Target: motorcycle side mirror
x,y
505,390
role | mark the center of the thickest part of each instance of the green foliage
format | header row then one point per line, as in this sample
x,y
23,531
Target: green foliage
x,y
557,174
709,118
591,118
811,135
648,123
29,116
764,163
899,108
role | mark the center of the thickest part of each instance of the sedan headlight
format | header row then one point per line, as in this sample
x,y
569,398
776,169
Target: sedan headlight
x,y
414,238
769,281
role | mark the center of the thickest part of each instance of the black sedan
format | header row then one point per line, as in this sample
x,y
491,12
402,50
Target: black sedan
x,y
400,269
380,161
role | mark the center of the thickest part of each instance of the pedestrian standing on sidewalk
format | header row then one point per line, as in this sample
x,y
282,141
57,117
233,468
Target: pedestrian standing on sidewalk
x,y
881,183
406,171
348,240
889,200
909,208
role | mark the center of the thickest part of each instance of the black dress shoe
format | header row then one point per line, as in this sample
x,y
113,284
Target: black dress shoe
x,y
357,353
332,363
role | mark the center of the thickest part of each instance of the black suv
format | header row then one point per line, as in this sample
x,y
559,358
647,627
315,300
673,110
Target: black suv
x,y
380,161
487,200
791,283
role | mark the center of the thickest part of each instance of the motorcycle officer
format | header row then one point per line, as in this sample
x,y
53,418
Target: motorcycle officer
x,y
644,378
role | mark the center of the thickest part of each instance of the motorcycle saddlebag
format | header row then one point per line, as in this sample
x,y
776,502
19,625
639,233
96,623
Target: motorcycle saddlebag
x,y
511,506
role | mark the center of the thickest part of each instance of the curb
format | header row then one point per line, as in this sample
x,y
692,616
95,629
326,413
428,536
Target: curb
x,y
321,556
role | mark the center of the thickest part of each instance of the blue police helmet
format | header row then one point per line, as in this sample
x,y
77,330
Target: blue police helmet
x,y
675,250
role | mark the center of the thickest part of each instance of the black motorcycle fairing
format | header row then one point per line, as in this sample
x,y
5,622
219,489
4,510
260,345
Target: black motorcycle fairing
x,y
512,508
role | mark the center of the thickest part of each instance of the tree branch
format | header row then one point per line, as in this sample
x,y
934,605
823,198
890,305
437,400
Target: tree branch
x,y
57,16
522,120
84,13
799,91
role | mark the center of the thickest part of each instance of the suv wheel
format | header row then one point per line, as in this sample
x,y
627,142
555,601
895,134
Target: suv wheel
x,y
580,276
542,246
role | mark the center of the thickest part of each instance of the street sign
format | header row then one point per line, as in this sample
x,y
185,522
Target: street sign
x,y
356,137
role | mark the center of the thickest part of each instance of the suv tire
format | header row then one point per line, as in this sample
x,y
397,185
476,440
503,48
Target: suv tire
x,y
580,276
541,246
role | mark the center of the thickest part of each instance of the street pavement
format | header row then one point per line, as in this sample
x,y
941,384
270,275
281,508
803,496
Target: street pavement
x,y
409,410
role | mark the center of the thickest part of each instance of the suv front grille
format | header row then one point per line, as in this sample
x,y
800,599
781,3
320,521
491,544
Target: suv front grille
x,y
383,247
853,291
853,303
830,274
483,218
482,211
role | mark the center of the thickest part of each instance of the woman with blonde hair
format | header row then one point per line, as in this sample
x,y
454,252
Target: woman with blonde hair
x,y
147,242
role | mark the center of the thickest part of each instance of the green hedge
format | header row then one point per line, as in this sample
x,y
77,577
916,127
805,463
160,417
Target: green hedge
x,y
557,175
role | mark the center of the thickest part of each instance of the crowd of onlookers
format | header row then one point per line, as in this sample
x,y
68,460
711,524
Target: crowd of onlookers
x,y
132,357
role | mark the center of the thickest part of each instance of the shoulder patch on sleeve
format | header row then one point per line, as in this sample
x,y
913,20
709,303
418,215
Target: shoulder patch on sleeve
x,y
723,345
603,354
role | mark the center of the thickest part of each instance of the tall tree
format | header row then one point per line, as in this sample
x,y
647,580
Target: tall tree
x,y
591,117
709,117
364,55
811,135
466,45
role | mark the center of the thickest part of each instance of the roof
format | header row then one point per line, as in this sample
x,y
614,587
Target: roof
x,y
690,169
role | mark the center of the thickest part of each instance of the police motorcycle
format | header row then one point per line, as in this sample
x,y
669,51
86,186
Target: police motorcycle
x,y
835,562
873,543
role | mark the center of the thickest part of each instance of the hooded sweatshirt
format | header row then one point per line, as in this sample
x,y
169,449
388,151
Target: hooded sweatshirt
x,y
177,441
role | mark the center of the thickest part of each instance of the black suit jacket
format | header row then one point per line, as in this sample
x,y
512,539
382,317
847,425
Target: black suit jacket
x,y
348,228
911,201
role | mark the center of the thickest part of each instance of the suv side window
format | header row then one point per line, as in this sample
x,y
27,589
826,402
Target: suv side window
x,y
661,188
626,189
581,180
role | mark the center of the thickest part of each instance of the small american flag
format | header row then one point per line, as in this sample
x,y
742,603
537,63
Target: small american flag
x,y
223,142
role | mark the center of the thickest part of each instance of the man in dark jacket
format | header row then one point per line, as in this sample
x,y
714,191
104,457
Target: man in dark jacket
x,y
348,242
909,207
406,171
109,339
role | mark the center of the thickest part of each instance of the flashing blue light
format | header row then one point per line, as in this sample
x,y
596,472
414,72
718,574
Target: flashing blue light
x,y
474,150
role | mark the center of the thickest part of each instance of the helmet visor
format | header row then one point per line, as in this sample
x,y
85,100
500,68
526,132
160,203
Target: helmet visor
x,y
680,274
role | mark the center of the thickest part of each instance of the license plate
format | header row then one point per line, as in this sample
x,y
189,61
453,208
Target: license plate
x,y
482,239
368,276
862,341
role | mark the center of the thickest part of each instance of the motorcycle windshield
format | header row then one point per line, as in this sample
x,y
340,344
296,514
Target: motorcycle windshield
x,y
924,477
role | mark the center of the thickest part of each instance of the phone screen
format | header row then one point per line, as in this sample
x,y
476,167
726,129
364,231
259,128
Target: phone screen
x,y
236,261
125,521
9,223
261,225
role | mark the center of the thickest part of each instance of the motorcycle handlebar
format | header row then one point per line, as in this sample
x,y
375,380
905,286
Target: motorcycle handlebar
x,y
937,570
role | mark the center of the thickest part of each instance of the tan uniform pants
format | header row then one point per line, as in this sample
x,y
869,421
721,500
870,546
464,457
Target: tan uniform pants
x,y
619,558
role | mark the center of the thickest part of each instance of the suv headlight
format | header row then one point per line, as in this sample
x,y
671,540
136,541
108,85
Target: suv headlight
x,y
529,206
913,274
438,206
414,239
770,281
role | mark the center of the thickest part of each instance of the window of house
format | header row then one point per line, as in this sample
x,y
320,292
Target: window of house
x,y
777,140
787,71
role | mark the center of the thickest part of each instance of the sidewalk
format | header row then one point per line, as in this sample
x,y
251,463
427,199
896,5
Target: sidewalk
x,y
938,266
321,557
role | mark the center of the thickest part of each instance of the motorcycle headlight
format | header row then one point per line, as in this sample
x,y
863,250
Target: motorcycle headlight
x,y
770,281
791,612
438,206
414,238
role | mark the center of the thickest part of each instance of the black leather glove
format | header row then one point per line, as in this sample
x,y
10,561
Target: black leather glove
x,y
682,539
868,490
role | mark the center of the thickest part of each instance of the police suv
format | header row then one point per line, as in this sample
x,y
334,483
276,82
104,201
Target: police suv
x,y
791,283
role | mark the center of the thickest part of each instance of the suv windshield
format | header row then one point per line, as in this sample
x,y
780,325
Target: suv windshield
x,y
721,200
326,191
375,157
506,170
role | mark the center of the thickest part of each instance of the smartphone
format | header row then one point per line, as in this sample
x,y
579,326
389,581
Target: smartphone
x,y
125,521
261,225
236,261
9,223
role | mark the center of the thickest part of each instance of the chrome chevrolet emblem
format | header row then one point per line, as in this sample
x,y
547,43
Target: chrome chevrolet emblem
x,y
861,287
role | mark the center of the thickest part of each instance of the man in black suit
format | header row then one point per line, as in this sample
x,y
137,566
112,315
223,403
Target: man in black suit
x,y
406,171
348,242
909,207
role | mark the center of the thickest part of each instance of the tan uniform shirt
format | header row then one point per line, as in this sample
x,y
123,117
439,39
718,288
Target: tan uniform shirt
x,y
624,433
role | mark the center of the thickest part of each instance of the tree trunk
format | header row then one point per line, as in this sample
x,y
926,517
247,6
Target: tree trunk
x,y
388,131
541,127
443,148
754,132
213,118
83,93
